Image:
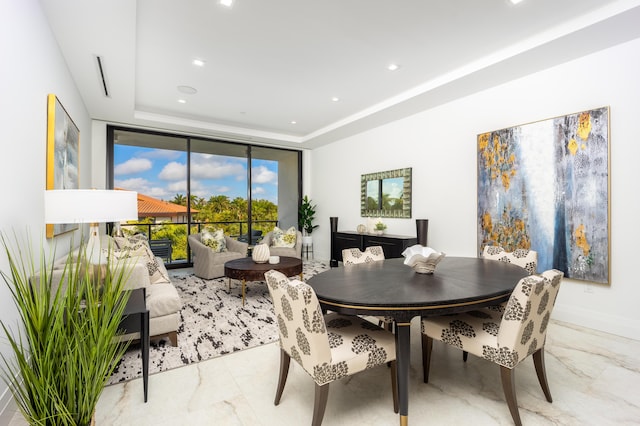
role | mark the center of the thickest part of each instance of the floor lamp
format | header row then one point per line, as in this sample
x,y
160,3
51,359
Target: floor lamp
x,y
91,206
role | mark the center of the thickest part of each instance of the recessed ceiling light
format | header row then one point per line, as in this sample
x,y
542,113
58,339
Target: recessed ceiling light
x,y
187,90
182,101
227,3
515,1
393,67
198,62
335,99
293,122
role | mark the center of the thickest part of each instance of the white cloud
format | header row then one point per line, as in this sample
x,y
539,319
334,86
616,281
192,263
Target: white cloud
x,y
173,171
262,174
214,168
258,190
135,184
133,165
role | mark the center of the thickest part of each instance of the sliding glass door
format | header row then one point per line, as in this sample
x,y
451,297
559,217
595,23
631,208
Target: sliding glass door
x,y
186,184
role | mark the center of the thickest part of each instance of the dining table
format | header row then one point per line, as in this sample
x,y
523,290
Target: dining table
x,y
391,288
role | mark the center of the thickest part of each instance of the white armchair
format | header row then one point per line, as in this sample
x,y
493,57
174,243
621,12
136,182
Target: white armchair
x,y
207,263
295,251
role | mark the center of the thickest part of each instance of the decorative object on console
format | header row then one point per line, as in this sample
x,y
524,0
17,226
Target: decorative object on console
x,y
260,253
386,194
422,259
90,206
333,263
422,230
362,228
556,168
379,228
63,142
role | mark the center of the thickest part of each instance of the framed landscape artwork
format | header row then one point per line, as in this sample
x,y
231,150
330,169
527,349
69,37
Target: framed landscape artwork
x,y
544,186
63,142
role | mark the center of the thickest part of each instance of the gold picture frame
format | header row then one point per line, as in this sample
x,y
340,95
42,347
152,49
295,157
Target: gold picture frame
x,y
63,144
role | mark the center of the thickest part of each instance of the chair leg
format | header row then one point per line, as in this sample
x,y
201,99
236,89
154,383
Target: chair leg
x,y
509,387
427,345
285,360
394,386
538,361
465,355
319,404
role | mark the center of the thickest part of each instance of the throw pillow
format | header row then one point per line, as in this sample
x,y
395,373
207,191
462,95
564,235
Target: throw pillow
x,y
138,246
214,240
284,238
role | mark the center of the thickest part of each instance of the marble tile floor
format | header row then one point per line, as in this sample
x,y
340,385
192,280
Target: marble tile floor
x,y
594,379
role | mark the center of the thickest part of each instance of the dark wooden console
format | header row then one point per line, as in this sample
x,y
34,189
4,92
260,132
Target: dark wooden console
x,y
392,245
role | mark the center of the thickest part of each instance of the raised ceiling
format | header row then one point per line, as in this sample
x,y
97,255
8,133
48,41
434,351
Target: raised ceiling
x,y
268,64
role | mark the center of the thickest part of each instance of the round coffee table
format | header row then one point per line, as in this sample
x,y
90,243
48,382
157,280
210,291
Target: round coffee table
x,y
246,269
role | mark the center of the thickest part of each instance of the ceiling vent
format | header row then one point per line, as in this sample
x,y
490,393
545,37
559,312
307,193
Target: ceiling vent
x,y
103,77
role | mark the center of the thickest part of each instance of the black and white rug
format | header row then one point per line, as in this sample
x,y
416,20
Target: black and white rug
x,y
213,323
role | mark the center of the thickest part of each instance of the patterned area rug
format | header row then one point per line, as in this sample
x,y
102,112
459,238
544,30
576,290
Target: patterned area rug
x,y
213,323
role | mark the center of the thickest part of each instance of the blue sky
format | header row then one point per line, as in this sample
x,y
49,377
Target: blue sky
x,y
162,174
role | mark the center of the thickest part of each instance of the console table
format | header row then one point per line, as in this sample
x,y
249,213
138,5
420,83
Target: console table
x,y
392,245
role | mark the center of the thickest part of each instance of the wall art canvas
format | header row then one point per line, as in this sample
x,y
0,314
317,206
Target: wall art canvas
x,y
63,142
544,186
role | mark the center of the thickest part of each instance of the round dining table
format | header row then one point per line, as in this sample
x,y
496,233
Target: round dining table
x,y
391,288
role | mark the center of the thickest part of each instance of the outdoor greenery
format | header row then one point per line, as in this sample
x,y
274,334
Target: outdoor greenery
x,y
63,347
219,211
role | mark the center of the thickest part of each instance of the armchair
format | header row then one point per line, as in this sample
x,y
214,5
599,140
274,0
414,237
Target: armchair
x,y
295,251
208,264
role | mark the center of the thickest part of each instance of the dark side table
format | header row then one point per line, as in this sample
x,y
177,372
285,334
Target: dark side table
x,y
135,319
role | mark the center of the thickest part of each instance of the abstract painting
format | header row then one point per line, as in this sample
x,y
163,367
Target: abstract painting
x,y
63,141
544,186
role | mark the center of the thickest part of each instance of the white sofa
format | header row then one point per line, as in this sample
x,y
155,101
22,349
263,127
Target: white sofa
x,y
163,300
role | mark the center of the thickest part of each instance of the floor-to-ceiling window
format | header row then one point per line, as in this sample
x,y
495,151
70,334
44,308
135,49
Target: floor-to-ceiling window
x,y
187,183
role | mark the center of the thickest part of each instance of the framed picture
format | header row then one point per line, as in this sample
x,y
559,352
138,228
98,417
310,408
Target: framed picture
x,y
63,142
544,186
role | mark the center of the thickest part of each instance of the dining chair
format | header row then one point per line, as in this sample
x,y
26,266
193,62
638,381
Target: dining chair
x,y
353,256
327,347
527,259
505,339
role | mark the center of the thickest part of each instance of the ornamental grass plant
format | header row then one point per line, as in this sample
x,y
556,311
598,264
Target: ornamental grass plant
x,y
63,345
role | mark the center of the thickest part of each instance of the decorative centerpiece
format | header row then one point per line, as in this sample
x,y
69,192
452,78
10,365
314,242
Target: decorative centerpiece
x,y
379,228
361,228
260,253
422,259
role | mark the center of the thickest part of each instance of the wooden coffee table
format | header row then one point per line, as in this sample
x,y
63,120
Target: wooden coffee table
x,y
246,269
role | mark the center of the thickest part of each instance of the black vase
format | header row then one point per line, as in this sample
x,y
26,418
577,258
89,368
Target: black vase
x,y
422,229
334,228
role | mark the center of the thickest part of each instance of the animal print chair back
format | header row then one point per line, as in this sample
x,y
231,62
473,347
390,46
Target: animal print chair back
x,y
354,256
527,259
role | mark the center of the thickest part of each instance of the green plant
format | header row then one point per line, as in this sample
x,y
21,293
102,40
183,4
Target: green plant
x,y
64,349
380,226
306,215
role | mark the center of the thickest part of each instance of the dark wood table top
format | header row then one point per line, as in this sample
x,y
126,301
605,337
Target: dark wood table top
x,y
248,270
387,287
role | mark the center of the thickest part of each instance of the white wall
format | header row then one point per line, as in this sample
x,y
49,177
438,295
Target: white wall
x,y
32,66
440,146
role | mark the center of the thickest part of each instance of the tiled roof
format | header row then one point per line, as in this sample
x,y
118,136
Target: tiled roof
x,y
152,207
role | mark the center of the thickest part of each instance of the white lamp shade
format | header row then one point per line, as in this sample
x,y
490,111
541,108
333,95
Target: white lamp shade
x,y
89,205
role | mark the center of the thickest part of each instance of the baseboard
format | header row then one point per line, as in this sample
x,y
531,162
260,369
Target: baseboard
x,y
613,324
